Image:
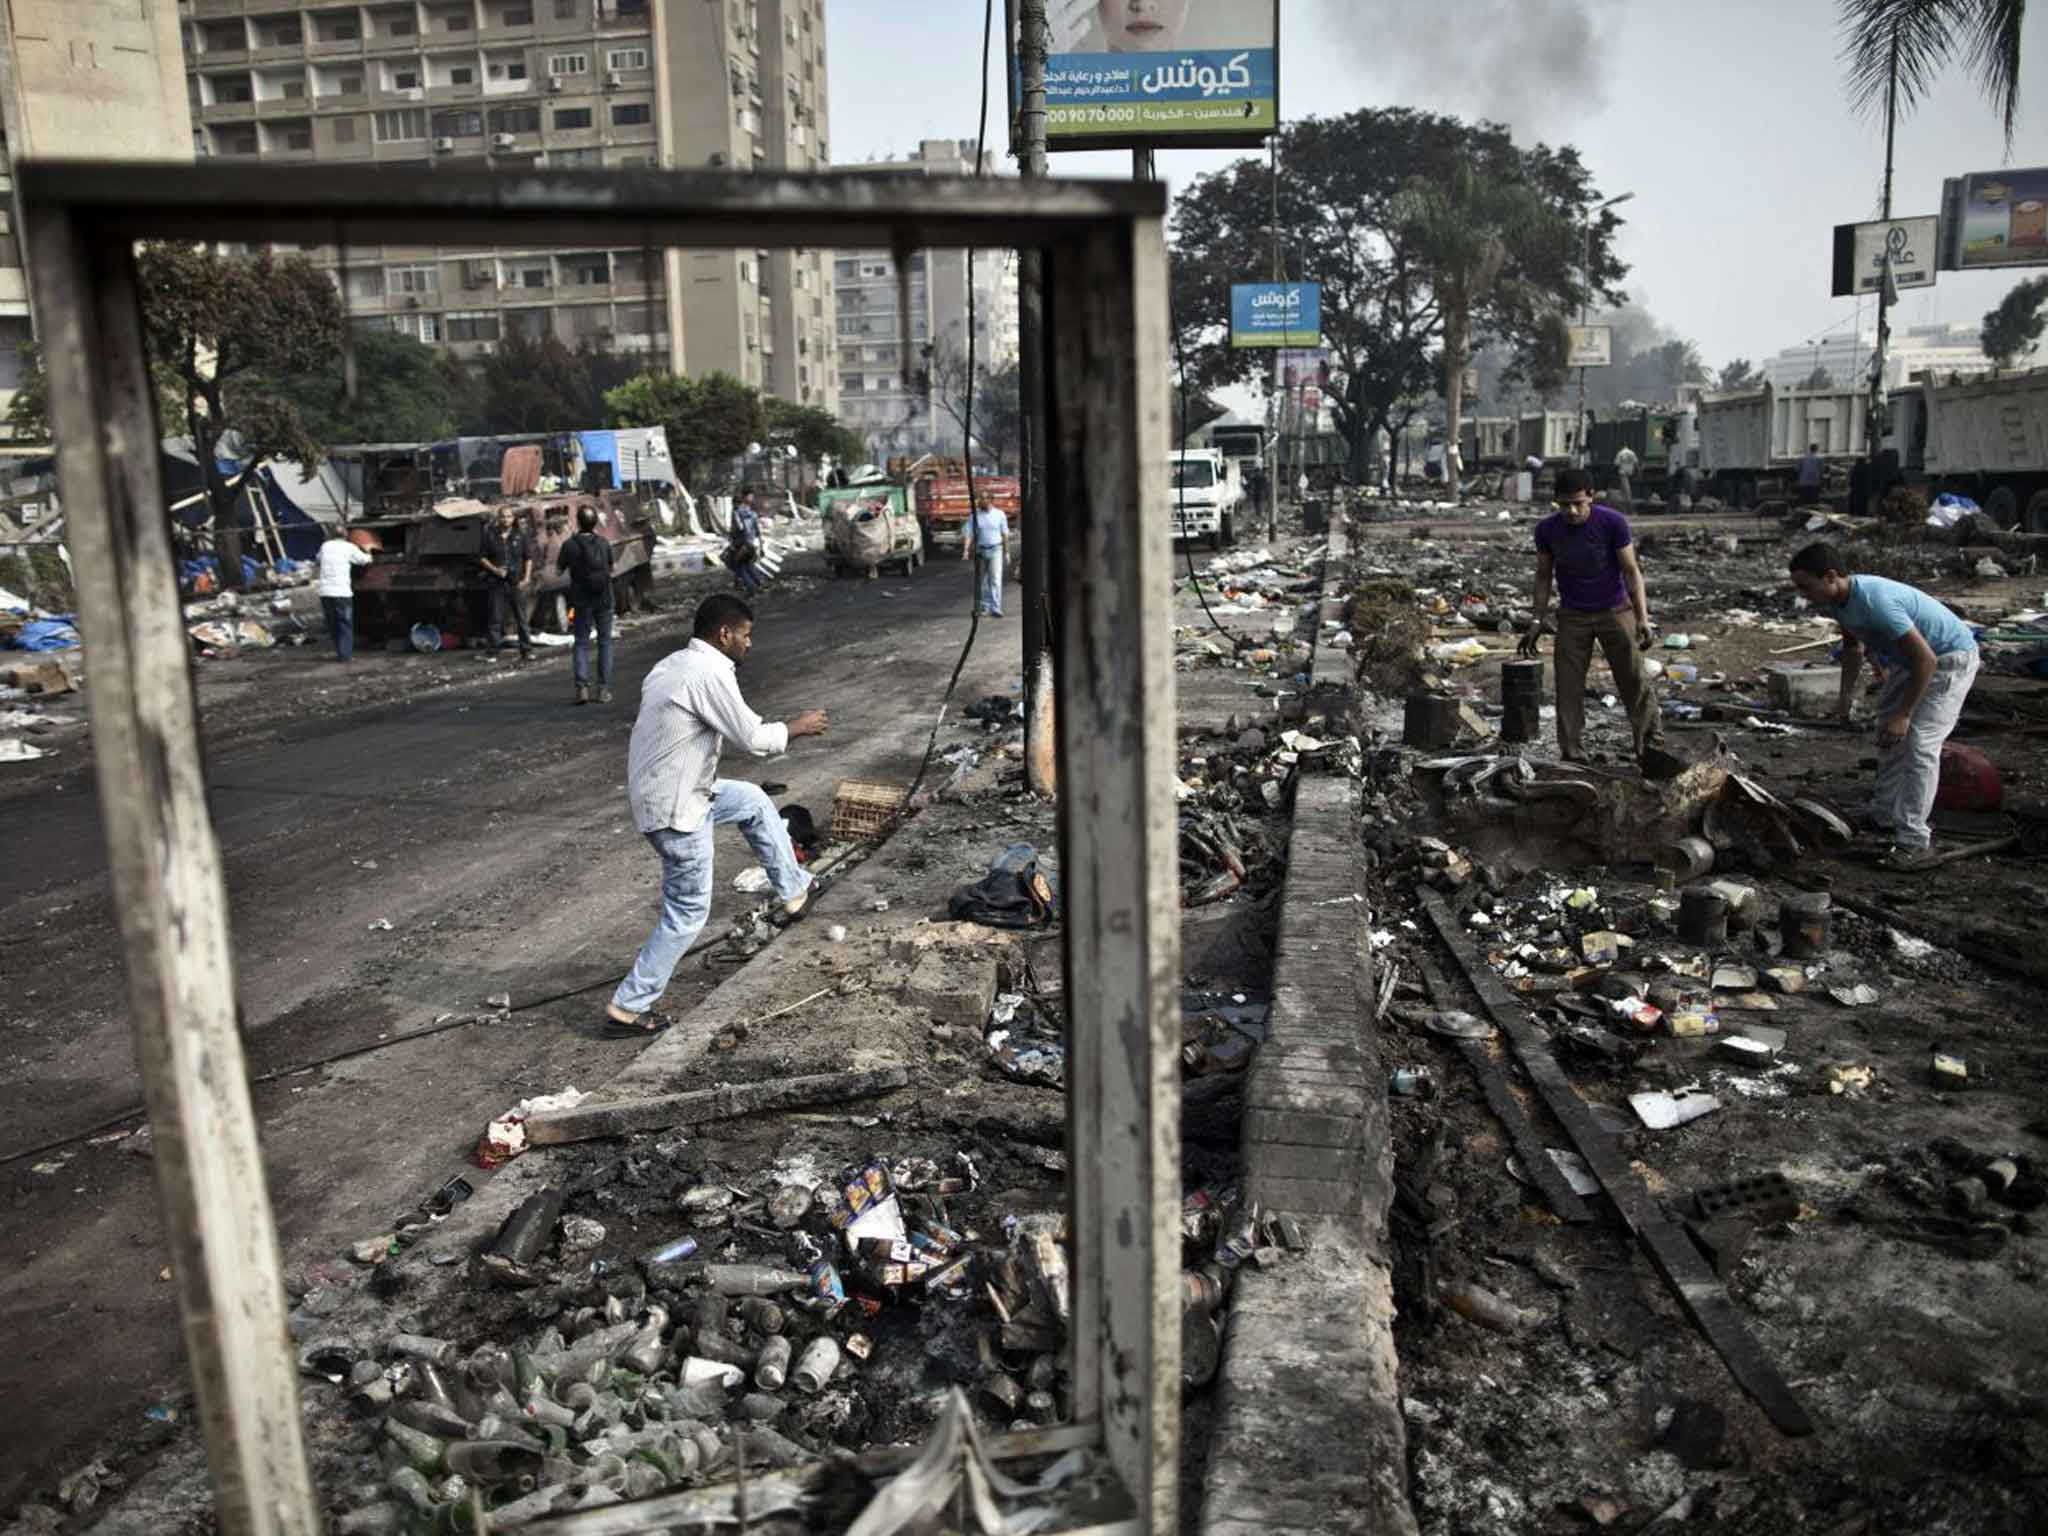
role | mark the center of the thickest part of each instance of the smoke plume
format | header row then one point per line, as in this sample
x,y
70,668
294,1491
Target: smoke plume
x,y
1540,66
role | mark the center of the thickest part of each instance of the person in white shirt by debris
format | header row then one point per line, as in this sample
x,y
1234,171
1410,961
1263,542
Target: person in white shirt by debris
x,y
338,557
690,706
988,539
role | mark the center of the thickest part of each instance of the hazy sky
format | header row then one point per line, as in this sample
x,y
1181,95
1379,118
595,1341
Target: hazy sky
x,y
1726,119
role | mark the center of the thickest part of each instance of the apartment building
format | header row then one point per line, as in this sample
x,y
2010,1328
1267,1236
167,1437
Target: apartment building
x,y
79,79
738,85
874,330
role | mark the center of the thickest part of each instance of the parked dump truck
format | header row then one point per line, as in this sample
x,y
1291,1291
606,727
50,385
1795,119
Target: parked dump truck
x,y
1206,496
1984,437
1552,436
942,502
1489,442
868,527
424,564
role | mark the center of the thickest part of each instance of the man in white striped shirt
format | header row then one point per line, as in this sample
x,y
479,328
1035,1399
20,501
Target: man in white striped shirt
x,y
690,706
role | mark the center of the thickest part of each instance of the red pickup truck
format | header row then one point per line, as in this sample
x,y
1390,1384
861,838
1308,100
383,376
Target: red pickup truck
x,y
943,505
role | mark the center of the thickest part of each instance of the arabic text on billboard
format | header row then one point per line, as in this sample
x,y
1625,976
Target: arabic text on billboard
x,y
1592,346
1910,245
1276,315
2004,219
1151,70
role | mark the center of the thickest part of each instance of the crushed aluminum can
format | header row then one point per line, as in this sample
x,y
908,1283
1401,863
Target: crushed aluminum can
x,y
859,1345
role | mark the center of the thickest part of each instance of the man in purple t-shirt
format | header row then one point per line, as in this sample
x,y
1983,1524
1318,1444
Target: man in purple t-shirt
x,y
1587,551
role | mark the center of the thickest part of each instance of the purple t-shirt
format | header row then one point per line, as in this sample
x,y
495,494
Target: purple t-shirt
x,y
1586,560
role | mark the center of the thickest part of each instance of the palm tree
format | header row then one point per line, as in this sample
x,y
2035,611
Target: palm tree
x,y
1893,51
1464,229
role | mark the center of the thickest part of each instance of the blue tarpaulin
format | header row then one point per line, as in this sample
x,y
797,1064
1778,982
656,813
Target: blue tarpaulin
x,y
599,447
55,634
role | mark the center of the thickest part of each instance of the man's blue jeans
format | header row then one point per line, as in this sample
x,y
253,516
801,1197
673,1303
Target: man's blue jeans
x,y
988,567
592,613
341,624
686,883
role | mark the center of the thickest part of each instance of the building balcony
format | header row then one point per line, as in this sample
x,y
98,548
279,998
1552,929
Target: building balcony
x,y
278,53
218,58
437,94
202,9
228,112
349,48
338,101
284,106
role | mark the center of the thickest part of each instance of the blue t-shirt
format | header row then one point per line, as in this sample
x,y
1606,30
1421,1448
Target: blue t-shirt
x,y
990,527
1880,611
1585,561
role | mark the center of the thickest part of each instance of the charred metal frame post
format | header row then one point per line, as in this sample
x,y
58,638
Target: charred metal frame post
x,y
1105,268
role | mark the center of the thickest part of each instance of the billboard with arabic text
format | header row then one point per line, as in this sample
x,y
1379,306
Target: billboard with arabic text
x,y
1276,314
1158,73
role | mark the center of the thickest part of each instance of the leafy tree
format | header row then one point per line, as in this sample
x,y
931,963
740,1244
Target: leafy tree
x,y
1339,223
2013,330
28,413
1737,373
537,384
815,434
219,329
402,393
708,421
1895,50
1476,231
1820,378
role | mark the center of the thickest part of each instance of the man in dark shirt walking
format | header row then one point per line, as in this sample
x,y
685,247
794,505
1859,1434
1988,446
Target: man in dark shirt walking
x,y
507,560
1587,551
587,560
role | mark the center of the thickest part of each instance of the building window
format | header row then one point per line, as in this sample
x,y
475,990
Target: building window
x,y
405,79
515,120
348,85
462,74
509,69
586,270
571,117
631,114
400,24
569,64
424,278
456,21
534,277
626,58
566,9
406,123
458,125
344,130
365,283
570,158
472,325
419,327
590,320
530,323
298,138
516,16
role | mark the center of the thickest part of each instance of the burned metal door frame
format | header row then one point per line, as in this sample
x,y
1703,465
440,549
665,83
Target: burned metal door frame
x,y
1106,402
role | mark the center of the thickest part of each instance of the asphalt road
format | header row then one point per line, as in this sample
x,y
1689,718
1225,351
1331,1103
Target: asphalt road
x,y
486,823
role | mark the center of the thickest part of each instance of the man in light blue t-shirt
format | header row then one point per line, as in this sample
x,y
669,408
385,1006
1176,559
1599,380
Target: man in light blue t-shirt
x,y
987,538
1929,660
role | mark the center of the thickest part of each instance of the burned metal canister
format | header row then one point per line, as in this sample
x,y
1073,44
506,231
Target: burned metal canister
x,y
1521,700
1806,924
1703,917
815,1367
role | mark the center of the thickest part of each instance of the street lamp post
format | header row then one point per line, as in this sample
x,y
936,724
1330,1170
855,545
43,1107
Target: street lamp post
x,y
1585,457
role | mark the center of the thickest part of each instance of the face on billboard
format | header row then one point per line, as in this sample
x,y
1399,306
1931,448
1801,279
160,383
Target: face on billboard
x,y
1141,26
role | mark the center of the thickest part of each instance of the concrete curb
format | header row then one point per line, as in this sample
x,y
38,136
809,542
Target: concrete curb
x,y
1308,1434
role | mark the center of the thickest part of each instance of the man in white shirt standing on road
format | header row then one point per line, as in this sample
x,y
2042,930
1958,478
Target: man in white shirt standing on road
x,y
338,555
1625,466
690,706
988,538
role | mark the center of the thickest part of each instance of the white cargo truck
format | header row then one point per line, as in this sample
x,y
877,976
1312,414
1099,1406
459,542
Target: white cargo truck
x,y
1984,437
1207,495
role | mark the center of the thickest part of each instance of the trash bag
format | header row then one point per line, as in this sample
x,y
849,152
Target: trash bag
x,y
1013,894
863,532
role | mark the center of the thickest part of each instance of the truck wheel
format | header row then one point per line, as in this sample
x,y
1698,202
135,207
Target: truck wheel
x,y
625,598
2037,513
1229,530
2002,506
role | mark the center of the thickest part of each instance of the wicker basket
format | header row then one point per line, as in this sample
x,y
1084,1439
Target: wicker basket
x,y
864,810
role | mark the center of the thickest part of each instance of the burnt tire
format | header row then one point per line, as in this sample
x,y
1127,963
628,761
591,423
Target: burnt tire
x,y
2037,513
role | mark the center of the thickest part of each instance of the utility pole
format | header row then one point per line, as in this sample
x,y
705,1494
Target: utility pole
x,y
1874,412
1040,758
1273,385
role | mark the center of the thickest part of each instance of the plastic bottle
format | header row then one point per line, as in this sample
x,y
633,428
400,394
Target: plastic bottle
x,y
753,1279
1483,1307
761,1314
